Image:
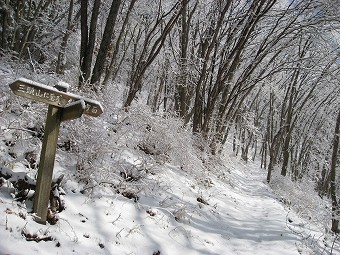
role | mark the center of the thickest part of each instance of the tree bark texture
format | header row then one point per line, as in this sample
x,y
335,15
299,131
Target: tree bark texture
x,y
98,68
334,186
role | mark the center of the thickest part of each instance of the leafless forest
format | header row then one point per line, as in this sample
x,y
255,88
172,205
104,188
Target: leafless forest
x,y
261,75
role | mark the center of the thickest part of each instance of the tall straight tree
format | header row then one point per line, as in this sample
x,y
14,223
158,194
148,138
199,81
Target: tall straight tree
x,y
335,204
71,23
183,91
208,44
114,63
88,40
98,68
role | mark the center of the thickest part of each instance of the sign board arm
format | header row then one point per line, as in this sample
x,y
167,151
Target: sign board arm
x,y
49,95
73,110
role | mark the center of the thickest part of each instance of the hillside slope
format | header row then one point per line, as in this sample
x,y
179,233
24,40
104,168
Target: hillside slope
x,y
221,207
237,215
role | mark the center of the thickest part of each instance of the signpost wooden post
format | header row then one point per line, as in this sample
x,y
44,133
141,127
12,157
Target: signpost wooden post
x,y
62,106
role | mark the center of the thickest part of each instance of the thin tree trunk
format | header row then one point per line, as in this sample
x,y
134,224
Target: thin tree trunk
x,y
5,24
335,205
87,60
110,70
88,39
206,55
83,37
183,94
61,55
273,153
142,65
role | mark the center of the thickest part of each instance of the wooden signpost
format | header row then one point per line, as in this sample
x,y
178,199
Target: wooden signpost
x,y
62,106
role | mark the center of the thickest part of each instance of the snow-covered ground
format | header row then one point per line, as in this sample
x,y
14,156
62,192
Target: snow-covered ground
x,y
240,216
224,209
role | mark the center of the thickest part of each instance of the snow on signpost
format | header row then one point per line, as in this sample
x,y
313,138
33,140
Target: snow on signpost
x,y
62,106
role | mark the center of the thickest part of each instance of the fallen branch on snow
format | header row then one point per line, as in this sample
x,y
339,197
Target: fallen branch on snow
x,y
35,237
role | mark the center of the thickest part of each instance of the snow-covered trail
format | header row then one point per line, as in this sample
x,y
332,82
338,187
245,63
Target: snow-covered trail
x,y
243,217
256,220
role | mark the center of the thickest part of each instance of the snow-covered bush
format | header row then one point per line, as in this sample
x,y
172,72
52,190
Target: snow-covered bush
x,y
22,126
302,198
159,135
128,147
314,212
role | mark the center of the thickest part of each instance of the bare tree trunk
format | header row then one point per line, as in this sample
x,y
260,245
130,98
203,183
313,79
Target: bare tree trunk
x,y
288,132
4,6
98,68
61,55
155,94
335,204
207,49
228,94
31,31
273,153
16,45
88,39
87,60
183,93
110,70
147,58
84,35
263,153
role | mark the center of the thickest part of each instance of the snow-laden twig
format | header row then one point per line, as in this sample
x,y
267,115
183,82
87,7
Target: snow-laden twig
x,y
75,238
335,238
113,222
118,234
